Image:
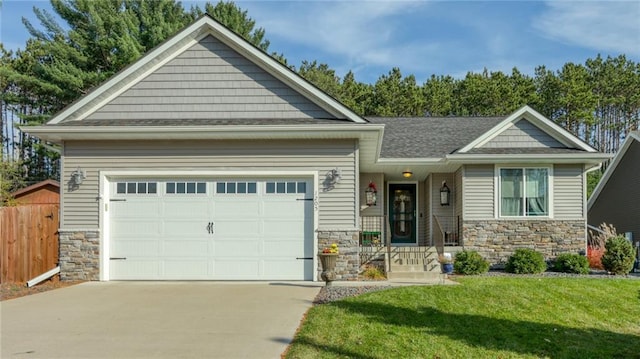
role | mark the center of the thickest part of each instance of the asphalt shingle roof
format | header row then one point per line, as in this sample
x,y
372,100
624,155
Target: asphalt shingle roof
x,y
430,137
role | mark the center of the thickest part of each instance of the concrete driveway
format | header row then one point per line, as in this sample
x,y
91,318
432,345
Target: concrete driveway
x,y
156,320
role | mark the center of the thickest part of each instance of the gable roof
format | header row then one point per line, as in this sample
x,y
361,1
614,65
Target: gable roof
x,y
174,46
560,134
634,136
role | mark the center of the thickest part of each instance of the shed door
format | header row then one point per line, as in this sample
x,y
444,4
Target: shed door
x,y
224,229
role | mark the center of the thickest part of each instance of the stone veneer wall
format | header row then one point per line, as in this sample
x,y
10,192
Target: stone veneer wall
x,y
79,255
496,240
348,261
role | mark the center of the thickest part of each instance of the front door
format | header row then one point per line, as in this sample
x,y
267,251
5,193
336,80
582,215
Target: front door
x,y
402,213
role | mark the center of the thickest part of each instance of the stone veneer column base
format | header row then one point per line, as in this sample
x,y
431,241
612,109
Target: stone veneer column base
x,y
348,262
496,240
79,255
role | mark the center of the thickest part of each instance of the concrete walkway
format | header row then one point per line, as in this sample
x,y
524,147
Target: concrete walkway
x,y
156,320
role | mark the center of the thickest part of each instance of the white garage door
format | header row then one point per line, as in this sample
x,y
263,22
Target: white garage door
x,y
223,229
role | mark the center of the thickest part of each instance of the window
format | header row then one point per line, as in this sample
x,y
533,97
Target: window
x,y
524,192
236,187
136,187
186,187
286,187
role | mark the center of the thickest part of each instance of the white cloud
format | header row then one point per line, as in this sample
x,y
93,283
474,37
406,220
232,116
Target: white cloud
x,y
361,32
602,25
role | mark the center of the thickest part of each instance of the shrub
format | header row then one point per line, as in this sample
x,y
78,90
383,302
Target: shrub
x,y
618,257
526,261
373,272
594,256
572,263
470,262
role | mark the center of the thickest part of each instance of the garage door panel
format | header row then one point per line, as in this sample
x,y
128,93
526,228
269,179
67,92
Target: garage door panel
x,y
191,227
291,248
143,207
283,228
239,228
236,269
237,248
236,207
136,269
131,227
289,208
283,269
193,268
189,207
135,248
186,248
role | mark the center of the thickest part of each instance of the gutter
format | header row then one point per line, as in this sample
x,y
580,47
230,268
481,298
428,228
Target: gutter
x,y
43,277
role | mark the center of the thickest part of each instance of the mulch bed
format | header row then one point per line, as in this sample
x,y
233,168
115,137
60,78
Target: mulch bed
x,y
17,290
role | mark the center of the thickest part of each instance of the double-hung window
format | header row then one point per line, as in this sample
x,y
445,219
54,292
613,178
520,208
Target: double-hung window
x,y
524,192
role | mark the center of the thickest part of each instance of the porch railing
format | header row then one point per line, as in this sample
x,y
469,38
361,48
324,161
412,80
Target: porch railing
x,y
447,230
373,239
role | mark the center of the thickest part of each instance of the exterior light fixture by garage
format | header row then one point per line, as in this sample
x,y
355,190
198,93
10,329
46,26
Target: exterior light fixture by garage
x,y
445,194
371,194
407,174
77,177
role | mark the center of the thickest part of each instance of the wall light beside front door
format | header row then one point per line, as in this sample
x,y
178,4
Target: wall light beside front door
x,y
445,194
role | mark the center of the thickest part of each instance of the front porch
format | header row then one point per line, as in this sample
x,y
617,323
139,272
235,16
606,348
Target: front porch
x,y
406,260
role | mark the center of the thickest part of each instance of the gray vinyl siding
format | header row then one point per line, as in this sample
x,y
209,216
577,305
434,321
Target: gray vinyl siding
x,y
445,214
428,221
209,81
478,192
523,134
618,202
457,197
568,192
337,207
422,228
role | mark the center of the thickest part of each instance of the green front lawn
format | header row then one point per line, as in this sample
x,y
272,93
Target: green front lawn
x,y
484,317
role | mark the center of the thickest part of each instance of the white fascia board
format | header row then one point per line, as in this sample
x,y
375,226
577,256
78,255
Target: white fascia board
x,y
411,161
589,157
612,167
552,129
58,134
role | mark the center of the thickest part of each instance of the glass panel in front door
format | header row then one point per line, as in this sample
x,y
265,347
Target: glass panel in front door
x,y
402,213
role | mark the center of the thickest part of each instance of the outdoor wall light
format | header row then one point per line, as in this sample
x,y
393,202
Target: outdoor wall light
x,y
407,174
371,194
77,177
445,194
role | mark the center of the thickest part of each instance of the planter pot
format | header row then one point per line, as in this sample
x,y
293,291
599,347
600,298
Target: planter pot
x,y
447,268
328,261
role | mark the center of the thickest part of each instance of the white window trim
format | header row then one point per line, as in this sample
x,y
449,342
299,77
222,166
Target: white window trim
x,y
498,190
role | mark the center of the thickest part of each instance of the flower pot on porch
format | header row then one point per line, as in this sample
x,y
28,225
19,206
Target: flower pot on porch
x,y
328,261
447,268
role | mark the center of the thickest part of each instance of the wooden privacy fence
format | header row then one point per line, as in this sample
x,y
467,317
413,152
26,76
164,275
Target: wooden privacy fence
x,y
28,241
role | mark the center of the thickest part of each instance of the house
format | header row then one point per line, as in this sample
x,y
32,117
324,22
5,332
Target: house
x,y
208,159
616,199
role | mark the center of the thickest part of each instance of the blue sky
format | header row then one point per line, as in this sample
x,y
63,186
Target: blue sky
x,y
424,37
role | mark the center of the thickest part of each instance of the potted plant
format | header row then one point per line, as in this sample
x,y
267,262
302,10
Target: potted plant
x,y
328,258
446,263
